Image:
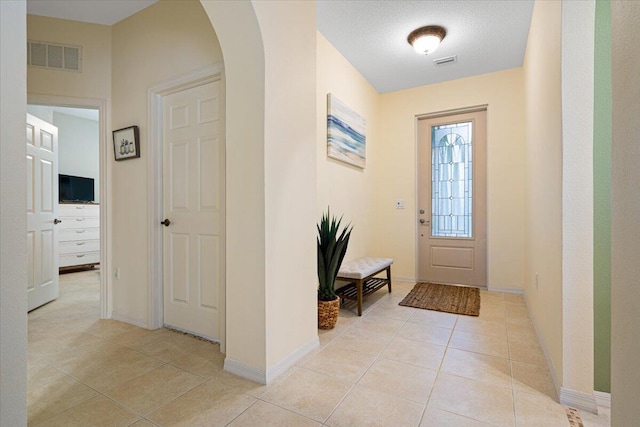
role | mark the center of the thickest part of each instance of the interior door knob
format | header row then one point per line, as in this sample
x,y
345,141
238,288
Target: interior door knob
x,y
57,221
166,222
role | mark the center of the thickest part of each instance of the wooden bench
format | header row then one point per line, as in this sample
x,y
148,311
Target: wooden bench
x,y
360,275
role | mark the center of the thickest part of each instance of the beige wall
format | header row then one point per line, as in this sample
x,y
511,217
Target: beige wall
x,y
13,243
245,198
394,231
625,199
543,202
271,186
288,32
95,79
578,26
346,189
162,41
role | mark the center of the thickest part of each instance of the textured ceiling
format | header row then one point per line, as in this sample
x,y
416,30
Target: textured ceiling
x,y
486,36
105,12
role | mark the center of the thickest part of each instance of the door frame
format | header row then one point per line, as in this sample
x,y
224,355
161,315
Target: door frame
x,y
434,115
105,190
156,95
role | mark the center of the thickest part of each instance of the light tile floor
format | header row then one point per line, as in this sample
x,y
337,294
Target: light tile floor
x,y
394,366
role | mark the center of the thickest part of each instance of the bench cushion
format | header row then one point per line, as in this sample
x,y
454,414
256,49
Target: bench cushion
x,y
363,267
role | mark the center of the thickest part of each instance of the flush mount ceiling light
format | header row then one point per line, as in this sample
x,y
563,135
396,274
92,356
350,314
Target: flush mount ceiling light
x,y
426,39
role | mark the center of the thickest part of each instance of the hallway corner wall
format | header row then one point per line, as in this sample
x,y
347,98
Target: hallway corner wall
x,y
543,180
13,242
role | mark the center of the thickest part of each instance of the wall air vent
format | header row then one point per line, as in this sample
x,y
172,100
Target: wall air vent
x,y
54,56
445,60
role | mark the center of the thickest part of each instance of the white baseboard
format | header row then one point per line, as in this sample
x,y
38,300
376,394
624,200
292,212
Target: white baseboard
x,y
579,400
244,371
552,367
603,399
264,377
518,291
403,280
280,367
126,319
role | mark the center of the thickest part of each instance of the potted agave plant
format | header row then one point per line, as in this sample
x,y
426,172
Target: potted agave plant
x,y
332,246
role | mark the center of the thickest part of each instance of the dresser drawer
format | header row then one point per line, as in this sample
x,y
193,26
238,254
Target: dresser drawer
x,y
78,210
74,234
79,246
78,259
79,222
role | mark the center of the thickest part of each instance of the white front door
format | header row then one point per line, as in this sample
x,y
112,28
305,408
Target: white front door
x,y
452,193
193,204
42,212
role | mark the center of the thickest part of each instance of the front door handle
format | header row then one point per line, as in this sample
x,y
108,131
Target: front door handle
x,y
166,222
57,221
424,221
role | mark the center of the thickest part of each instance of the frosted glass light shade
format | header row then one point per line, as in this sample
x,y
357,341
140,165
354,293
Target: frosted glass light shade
x,y
426,44
426,39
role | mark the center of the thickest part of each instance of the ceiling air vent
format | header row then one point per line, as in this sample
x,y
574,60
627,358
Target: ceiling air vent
x,y
445,60
54,56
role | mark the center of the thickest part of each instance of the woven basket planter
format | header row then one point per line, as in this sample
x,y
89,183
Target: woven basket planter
x,y
328,313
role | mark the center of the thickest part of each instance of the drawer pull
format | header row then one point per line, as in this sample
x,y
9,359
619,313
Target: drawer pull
x,y
80,231
79,219
80,243
80,255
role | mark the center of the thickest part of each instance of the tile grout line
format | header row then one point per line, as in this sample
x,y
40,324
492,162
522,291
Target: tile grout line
x,y
513,391
242,412
353,385
426,405
121,404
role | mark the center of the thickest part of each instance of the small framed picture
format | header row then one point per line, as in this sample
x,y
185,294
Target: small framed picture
x,y
126,143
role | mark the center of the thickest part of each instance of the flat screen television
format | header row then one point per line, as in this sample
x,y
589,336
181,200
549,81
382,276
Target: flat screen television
x,y
75,189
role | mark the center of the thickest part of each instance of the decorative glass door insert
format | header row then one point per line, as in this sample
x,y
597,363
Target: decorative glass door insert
x,y
452,180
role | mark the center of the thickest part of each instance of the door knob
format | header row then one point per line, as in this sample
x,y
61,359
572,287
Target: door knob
x,y
424,221
166,222
57,221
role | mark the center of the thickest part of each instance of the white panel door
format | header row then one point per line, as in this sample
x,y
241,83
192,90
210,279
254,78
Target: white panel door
x,y
193,204
42,212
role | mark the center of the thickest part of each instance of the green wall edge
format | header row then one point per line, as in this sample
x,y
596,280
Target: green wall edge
x,y
602,197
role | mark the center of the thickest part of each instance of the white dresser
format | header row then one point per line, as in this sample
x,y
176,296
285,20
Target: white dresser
x,y
79,234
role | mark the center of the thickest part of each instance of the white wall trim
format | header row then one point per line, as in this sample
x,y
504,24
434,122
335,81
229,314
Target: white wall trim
x,y
403,280
579,400
603,399
280,367
155,94
463,110
265,377
547,356
106,302
517,291
244,371
142,323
